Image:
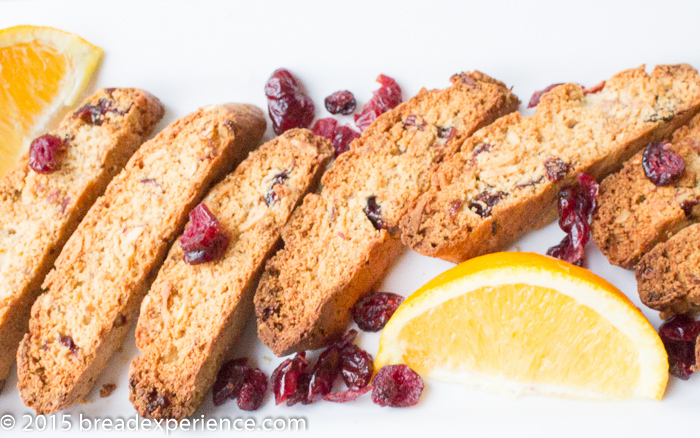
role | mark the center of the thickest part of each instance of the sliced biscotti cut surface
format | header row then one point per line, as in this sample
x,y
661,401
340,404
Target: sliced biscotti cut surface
x,y
40,211
339,242
668,276
93,293
504,180
194,313
634,214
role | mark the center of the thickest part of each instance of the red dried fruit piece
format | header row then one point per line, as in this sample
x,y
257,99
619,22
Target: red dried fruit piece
x,y
357,366
387,97
252,391
484,202
372,312
594,89
156,400
325,127
373,211
396,386
341,102
344,135
555,168
679,335
325,372
93,114
44,152
447,133
287,103
230,380
347,395
566,251
661,165
271,196
290,380
204,238
537,95
68,342
412,120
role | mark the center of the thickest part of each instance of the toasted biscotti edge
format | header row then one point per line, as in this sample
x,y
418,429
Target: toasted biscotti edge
x,y
634,215
248,125
668,276
471,240
14,316
333,313
147,385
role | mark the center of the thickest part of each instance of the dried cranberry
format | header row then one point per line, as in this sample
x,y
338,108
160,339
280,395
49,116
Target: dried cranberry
x,y
680,328
661,165
537,95
446,134
342,102
287,103
156,400
347,395
688,205
253,390
344,135
576,205
325,372
68,342
93,114
412,120
594,89
483,147
230,380
204,238
679,335
397,386
484,202
290,380
372,312
356,366
555,168
325,127
271,196
374,213
455,207
387,97
44,152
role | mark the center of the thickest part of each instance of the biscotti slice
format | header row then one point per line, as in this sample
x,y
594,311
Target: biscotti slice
x,y
504,180
194,313
633,214
339,243
95,289
40,211
668,276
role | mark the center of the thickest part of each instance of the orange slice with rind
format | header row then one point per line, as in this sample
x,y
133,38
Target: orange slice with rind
x,y
527,323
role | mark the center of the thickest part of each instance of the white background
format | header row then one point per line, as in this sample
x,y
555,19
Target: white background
x,y
191,54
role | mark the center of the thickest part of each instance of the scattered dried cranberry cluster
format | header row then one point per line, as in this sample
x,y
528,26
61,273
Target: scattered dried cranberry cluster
x,y
204,238
576,205
290,107
661,165
680,335
237,380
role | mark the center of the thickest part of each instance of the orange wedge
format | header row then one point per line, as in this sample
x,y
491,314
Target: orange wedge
x,y
527,323
42,70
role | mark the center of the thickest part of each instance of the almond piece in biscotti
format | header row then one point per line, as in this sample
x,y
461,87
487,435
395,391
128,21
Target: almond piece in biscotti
x,y
94,291
499,176
339,243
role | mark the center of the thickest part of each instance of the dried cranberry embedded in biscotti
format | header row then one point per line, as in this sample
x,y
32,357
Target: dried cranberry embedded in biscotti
x,y
44,152
204,238
555,168
341,102
287,102
373,211
537,95
387,97
661,165
396,386
271,196
94,114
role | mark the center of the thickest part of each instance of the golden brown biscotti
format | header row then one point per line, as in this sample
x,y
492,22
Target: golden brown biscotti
x,y
504,180
95,289
193,314
41,211
338,243
633,214
668,276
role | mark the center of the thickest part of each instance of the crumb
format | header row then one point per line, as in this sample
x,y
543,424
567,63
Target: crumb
x,y
107,390
267,359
